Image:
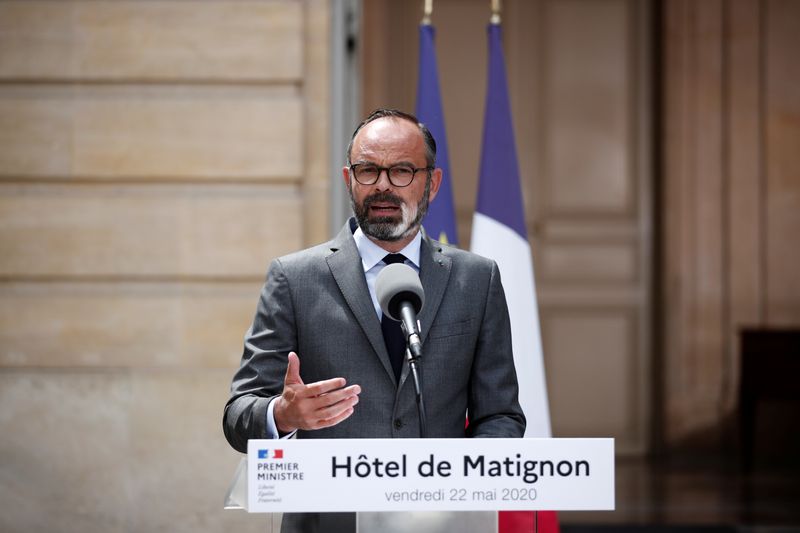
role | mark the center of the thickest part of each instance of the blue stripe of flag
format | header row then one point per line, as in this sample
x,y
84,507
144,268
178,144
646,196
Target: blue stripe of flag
x,y
440,220
499,191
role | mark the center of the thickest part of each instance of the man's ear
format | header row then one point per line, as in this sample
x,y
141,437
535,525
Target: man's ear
x,y
436,182
346,176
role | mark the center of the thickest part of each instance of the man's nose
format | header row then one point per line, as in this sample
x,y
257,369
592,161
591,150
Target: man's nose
x,y
383,182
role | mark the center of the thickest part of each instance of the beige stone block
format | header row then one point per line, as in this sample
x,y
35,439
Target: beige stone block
x,y
34,136
158,40
177,420
146,230
65,449
150,132
116,451
168,324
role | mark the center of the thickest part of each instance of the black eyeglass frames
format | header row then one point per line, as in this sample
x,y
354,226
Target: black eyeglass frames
x,y
400,175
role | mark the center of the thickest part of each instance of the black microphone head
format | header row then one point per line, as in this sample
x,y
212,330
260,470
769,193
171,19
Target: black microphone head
x,y
398,283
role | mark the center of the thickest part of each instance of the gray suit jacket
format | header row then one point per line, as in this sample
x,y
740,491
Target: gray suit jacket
x,y
316,302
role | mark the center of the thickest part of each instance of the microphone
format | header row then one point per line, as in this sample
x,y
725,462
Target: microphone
x,y
401,297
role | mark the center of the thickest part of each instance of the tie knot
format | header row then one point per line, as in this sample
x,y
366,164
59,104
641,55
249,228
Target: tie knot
x,y
391,259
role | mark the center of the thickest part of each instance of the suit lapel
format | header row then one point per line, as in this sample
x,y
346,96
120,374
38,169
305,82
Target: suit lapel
x,y
346,269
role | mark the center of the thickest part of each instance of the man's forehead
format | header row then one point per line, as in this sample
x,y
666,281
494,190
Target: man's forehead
x,y
389,132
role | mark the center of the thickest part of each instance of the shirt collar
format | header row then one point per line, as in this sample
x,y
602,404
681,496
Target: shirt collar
x,y
372,254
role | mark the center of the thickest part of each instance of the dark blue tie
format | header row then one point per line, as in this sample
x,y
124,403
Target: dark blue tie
x,y
392,333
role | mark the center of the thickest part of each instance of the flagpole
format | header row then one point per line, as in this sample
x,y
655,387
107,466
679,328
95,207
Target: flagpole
x,y
427,11
496,10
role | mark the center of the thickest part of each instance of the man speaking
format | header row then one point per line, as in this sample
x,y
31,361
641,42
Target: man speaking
x,y
321,361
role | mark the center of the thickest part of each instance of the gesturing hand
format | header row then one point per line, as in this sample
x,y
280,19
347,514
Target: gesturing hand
x,y
314,406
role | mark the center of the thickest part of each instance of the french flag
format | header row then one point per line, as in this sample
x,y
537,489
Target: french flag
x,y
440,222
499,232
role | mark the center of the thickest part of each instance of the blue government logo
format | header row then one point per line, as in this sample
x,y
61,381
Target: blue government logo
x,y
263,454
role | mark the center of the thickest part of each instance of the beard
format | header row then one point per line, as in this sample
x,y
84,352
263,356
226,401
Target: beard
x,y
390,228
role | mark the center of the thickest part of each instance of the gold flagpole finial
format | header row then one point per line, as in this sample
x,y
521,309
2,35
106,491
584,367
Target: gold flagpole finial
x,y
495,12
427,12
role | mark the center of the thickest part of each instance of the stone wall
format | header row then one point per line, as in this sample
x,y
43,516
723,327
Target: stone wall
x,y
154,157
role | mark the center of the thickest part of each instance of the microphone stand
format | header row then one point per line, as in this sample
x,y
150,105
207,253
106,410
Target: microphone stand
x,y
416,373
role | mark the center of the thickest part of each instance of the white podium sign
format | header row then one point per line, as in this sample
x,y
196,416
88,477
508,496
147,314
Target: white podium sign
x,y
355,475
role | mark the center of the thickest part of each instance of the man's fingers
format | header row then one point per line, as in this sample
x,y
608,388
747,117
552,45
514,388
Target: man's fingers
x,y
344,415
293,370
318,405
325,410
328,399
319,388
335,409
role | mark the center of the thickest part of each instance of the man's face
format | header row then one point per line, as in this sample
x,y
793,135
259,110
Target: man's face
x,y
386,212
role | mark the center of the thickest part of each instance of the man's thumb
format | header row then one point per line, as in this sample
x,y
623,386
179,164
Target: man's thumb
x,y
293,370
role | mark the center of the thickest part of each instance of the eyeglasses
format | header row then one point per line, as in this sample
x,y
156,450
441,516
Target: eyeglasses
x,y
399,175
